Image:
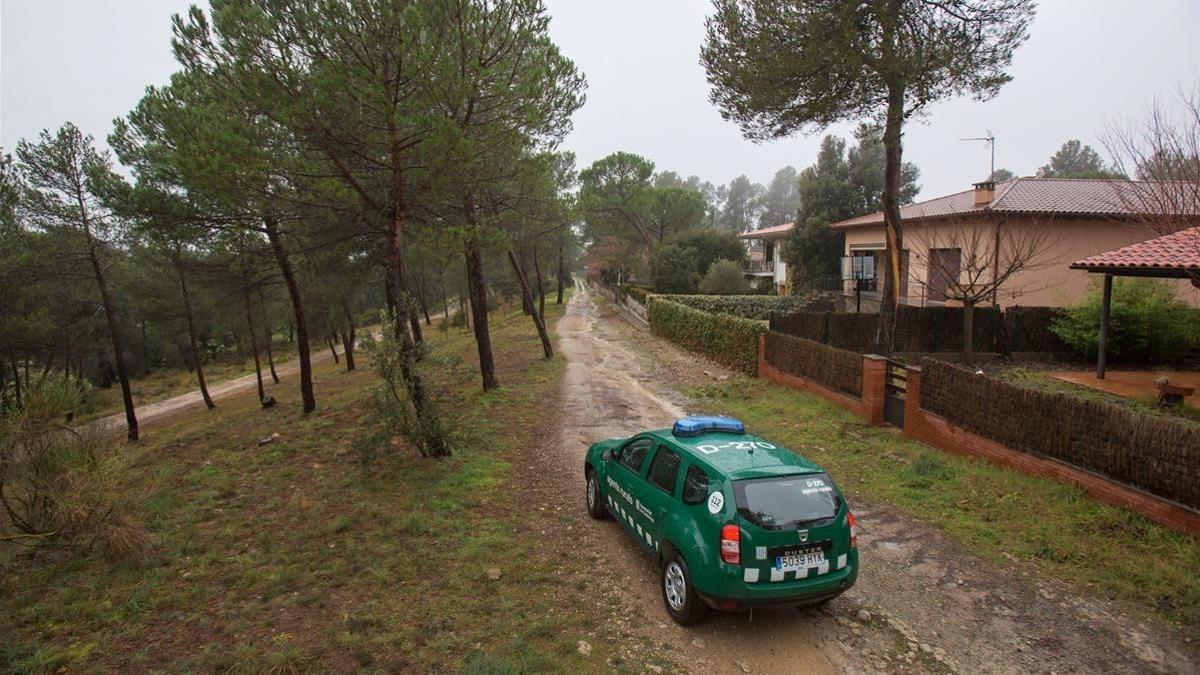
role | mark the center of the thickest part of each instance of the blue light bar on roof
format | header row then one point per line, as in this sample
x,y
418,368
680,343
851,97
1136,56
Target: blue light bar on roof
x,y
696,425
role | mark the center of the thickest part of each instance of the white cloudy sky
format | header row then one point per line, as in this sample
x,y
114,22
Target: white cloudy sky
x,y
1087,63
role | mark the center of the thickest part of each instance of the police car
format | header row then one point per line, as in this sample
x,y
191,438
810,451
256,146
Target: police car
x,y
733,520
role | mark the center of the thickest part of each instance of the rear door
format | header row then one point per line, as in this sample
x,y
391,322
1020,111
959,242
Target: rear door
x,y
625,486
660,491
794,527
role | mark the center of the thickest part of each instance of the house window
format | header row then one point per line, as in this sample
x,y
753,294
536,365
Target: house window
x,y
945,265
862,266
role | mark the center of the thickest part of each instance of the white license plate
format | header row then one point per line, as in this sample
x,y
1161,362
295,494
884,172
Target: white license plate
x,y
799,561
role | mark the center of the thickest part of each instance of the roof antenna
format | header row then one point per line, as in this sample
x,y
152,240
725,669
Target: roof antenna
x,y
990,140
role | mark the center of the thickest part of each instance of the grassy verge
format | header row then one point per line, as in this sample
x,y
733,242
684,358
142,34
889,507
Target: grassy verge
x,y
294,557
995,512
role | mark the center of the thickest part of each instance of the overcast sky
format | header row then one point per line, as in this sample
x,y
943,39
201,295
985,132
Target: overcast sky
x,y
1087,62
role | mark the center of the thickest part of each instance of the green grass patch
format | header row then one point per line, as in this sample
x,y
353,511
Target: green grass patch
x,y
292,557
992,510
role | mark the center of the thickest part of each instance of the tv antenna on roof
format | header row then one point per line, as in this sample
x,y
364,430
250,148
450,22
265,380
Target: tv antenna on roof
x,y
990,140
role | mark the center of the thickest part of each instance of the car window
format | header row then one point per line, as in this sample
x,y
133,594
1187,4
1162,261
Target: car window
x,y
634,454
695,485
664,469
787,501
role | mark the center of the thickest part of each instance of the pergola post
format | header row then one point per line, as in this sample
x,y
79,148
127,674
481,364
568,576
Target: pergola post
x,y
1105,305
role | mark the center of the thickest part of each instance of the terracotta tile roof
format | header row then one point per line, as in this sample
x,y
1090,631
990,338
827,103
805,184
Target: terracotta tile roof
x,y
768,232
1062,196
1174,252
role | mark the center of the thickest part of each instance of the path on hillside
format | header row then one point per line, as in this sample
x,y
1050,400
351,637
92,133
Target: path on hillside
x,y
286,370
932,605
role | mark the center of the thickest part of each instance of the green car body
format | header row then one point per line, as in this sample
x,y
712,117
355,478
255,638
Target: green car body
x,y
683,492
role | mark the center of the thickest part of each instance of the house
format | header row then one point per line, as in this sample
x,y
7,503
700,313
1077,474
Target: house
x,y
971,236
766,265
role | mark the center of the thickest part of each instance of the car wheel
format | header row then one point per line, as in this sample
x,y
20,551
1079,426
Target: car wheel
x,y
595,507
679,596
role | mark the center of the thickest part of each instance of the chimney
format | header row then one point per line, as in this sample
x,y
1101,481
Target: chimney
x,y
984,191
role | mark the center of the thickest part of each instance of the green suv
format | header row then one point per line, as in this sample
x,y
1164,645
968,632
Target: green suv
x,y
733,520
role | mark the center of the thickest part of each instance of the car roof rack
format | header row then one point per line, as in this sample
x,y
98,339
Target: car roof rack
x,y
700,424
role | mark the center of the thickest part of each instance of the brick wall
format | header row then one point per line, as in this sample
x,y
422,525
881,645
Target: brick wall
x,y
938,432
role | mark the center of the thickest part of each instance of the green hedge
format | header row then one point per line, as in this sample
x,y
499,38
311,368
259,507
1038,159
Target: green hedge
x,y
759,307
1155,453
729,340
638,293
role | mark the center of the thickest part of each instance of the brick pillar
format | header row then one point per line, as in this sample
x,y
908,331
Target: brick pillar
x,y
914,417
874,381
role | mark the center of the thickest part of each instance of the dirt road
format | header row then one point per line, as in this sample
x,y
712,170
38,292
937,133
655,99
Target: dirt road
x,y
921,604
153,411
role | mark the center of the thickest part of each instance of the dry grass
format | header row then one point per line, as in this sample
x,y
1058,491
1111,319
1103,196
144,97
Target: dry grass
x,y
293,557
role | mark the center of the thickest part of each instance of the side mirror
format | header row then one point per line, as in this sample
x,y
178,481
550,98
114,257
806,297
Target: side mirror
x,y
607,455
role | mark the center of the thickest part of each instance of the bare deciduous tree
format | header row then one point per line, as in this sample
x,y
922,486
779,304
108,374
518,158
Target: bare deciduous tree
x,y
1163,151
986,265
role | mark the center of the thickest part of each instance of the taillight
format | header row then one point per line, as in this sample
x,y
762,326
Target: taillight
x,y
853,523
731,540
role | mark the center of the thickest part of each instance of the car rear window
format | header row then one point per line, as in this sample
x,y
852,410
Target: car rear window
x,y
787,501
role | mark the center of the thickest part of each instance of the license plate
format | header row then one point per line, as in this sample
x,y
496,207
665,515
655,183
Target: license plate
x,y
792,561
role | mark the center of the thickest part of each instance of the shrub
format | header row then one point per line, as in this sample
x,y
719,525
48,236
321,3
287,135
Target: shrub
x,y
59,485
638,293
759,307
724,338
1146,324
392,413
673,270
724,277
681,262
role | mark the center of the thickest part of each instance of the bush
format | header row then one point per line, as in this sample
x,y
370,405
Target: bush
x,y
673,270
759,307
724,277
681,262
638,293
1147,323
59,485
729,340
393,414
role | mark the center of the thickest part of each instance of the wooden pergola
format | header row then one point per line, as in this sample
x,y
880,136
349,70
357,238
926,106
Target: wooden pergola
x,y
1174,256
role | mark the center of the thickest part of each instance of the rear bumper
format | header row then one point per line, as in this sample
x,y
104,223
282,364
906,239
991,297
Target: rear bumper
x,y
784,593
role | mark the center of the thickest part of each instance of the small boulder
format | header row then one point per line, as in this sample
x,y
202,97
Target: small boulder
x,y
493,574
585,648
268,440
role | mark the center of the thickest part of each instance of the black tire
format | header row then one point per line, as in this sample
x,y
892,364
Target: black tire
x,y
679,596
595,505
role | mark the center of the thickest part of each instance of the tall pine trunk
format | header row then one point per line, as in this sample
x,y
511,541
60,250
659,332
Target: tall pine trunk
x,y
332,348
885,336
541,291
433,440
298,316
477,289
262,394
348,346
547,349
270,338
114,331
191,324
561,269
